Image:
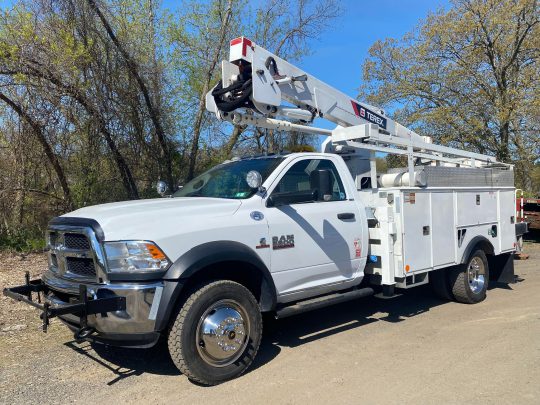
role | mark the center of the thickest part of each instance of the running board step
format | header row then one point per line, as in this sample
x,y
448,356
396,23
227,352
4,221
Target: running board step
x,y
324,301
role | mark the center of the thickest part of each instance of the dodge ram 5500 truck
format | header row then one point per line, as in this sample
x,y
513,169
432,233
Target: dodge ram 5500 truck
x,y
282,233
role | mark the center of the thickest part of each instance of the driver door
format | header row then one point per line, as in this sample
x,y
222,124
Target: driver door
x,y
317,243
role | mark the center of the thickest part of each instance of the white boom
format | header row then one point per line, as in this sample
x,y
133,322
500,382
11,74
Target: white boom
x,y
256,85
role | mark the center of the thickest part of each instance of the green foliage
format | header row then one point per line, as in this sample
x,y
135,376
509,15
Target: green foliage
x,y
468,76
23,240
76,127
381,165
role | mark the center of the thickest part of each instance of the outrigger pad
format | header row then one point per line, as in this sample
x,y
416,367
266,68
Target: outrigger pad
x,y
83,307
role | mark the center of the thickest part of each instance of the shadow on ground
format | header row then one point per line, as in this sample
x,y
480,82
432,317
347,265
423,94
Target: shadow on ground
x,y
125,362
533,236
289,332
305,328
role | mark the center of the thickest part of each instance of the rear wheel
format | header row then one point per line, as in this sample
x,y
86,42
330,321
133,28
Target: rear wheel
x,y
470,281
216,333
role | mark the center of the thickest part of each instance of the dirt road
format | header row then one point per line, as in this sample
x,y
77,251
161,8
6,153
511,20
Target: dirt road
x,y
413,349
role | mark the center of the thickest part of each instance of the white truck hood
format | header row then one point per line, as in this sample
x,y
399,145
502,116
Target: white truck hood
x,y
154,219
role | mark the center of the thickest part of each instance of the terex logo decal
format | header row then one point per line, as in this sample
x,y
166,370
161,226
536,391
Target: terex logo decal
x,y
368,115
282,242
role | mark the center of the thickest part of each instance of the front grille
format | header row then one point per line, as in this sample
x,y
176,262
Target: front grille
x,y
81,267
53,238
76,241
71,253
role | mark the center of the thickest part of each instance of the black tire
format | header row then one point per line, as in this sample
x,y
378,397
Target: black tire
x,y
466,289
192,350
440,284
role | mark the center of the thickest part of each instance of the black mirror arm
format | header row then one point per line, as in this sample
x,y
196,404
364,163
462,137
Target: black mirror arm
x,y
287,198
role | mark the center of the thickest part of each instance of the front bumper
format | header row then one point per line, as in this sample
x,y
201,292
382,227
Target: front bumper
x,y
132,324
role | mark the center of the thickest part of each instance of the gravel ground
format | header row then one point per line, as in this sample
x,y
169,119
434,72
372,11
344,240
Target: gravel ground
x,y
410,349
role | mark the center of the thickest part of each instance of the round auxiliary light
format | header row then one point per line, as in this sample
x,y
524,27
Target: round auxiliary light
x,y
254,179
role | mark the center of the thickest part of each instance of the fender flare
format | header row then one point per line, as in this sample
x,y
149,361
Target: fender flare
x,y
477,240
199,258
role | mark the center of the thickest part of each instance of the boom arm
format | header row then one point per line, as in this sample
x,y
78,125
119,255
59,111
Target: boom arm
x,y
258,82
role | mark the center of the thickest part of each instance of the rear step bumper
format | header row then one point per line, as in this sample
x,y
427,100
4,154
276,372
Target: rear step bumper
x,y
324,301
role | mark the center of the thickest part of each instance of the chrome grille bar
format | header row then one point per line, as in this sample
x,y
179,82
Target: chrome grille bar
x,y
75,253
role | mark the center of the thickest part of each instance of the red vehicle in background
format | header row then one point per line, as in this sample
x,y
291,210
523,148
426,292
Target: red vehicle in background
x,y
528,210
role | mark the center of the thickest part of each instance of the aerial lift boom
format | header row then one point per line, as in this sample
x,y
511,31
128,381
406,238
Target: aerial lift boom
x,y
256,86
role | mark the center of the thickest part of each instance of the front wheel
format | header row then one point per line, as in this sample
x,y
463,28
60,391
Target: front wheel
x,y
216,333
470,281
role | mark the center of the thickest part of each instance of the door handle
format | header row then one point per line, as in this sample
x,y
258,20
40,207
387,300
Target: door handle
x,y
346,215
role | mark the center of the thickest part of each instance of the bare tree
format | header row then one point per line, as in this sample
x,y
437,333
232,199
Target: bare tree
x,y
216,52
38,132
152,109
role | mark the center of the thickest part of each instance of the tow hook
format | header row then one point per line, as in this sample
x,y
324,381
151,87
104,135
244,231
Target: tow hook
x,y
83,333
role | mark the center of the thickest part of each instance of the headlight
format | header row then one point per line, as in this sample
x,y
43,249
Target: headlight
x,y
135,256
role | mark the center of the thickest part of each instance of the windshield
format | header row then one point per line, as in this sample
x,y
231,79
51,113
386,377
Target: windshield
x,y
228,180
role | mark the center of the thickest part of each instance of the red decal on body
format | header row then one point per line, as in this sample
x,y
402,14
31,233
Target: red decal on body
x,y
357,248
355,108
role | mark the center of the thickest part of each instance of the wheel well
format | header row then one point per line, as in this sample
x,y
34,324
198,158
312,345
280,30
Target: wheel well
x,y
493,262
243,273
476,243
485,246
501,266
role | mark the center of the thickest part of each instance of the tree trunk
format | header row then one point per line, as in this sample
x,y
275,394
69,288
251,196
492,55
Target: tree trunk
x,y
152,110
125,173
237,131
53,159
503,153
202,99
271,143
196,135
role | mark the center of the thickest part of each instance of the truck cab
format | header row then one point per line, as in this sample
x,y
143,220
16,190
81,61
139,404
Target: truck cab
x,y
275,230
300,223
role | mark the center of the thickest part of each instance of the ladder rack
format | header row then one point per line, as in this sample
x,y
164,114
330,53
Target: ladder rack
x,y
370,137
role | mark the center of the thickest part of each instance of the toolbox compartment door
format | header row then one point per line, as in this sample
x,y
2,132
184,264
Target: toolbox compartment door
x,y
417,251
507,217
443,228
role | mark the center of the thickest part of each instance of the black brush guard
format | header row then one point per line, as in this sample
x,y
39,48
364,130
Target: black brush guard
x,y
81,307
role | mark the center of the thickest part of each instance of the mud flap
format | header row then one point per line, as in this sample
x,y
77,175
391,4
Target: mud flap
x,y
501,268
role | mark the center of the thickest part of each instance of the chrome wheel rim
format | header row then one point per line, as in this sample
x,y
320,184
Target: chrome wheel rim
x,y
476,274
222,333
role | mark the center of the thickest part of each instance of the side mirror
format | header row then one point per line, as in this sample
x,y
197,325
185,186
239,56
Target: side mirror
x,y
291,197
161,188
321,181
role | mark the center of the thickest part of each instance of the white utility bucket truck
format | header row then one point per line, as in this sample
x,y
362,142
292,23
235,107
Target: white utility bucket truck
x,y
283,233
